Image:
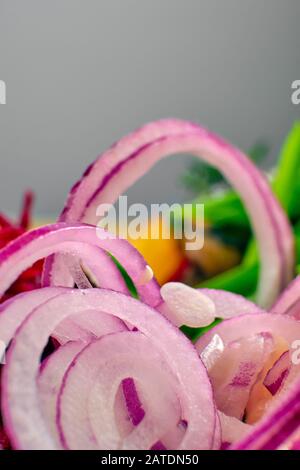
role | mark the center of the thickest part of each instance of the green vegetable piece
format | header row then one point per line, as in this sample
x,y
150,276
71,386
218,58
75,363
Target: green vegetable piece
x,y
288,170
195,333
241,280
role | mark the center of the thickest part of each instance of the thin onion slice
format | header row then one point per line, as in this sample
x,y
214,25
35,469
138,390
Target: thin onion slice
x,y
197,308
212,352
87,327
217,442
278,373
15,310
289,301
234,374
118,168
292,442
232,429
278,424
49,382
24,420
252,324
82,241
281,415
228,304
89,423
80,328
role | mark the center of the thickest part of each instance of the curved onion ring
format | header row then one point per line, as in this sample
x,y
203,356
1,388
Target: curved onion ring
x,y
133,156
251,324
97,385
277,424
232,428
14,311
50,378
289,301
228,304
292,442
184,305
217,442
24,420
283,414
82,241
277,374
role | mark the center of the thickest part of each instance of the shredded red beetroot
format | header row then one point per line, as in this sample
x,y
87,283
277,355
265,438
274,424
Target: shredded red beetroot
x,y
31,278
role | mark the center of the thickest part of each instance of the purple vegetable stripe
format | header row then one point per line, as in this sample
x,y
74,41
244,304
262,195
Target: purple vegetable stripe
x,y
278,373
225,445
296,445
274,430
134,407
285,431
275,386
133,404
158,446
245,375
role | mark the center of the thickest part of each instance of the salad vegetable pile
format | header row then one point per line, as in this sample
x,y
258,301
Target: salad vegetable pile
x,y
99,355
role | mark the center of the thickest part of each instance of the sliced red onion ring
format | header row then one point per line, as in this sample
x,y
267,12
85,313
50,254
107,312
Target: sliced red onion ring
x,y
94,177
133,156
292,442
80,328
228,305
87,327
212,352
14,311
277,427
250,325
24,419
232,429
82,241
79,277
278,373
217,442
97,385
49,382
284,406
235,373
197,308
136,413
289,301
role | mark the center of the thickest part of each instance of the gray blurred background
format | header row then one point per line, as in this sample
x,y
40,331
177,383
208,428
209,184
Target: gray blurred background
x,y
81,73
